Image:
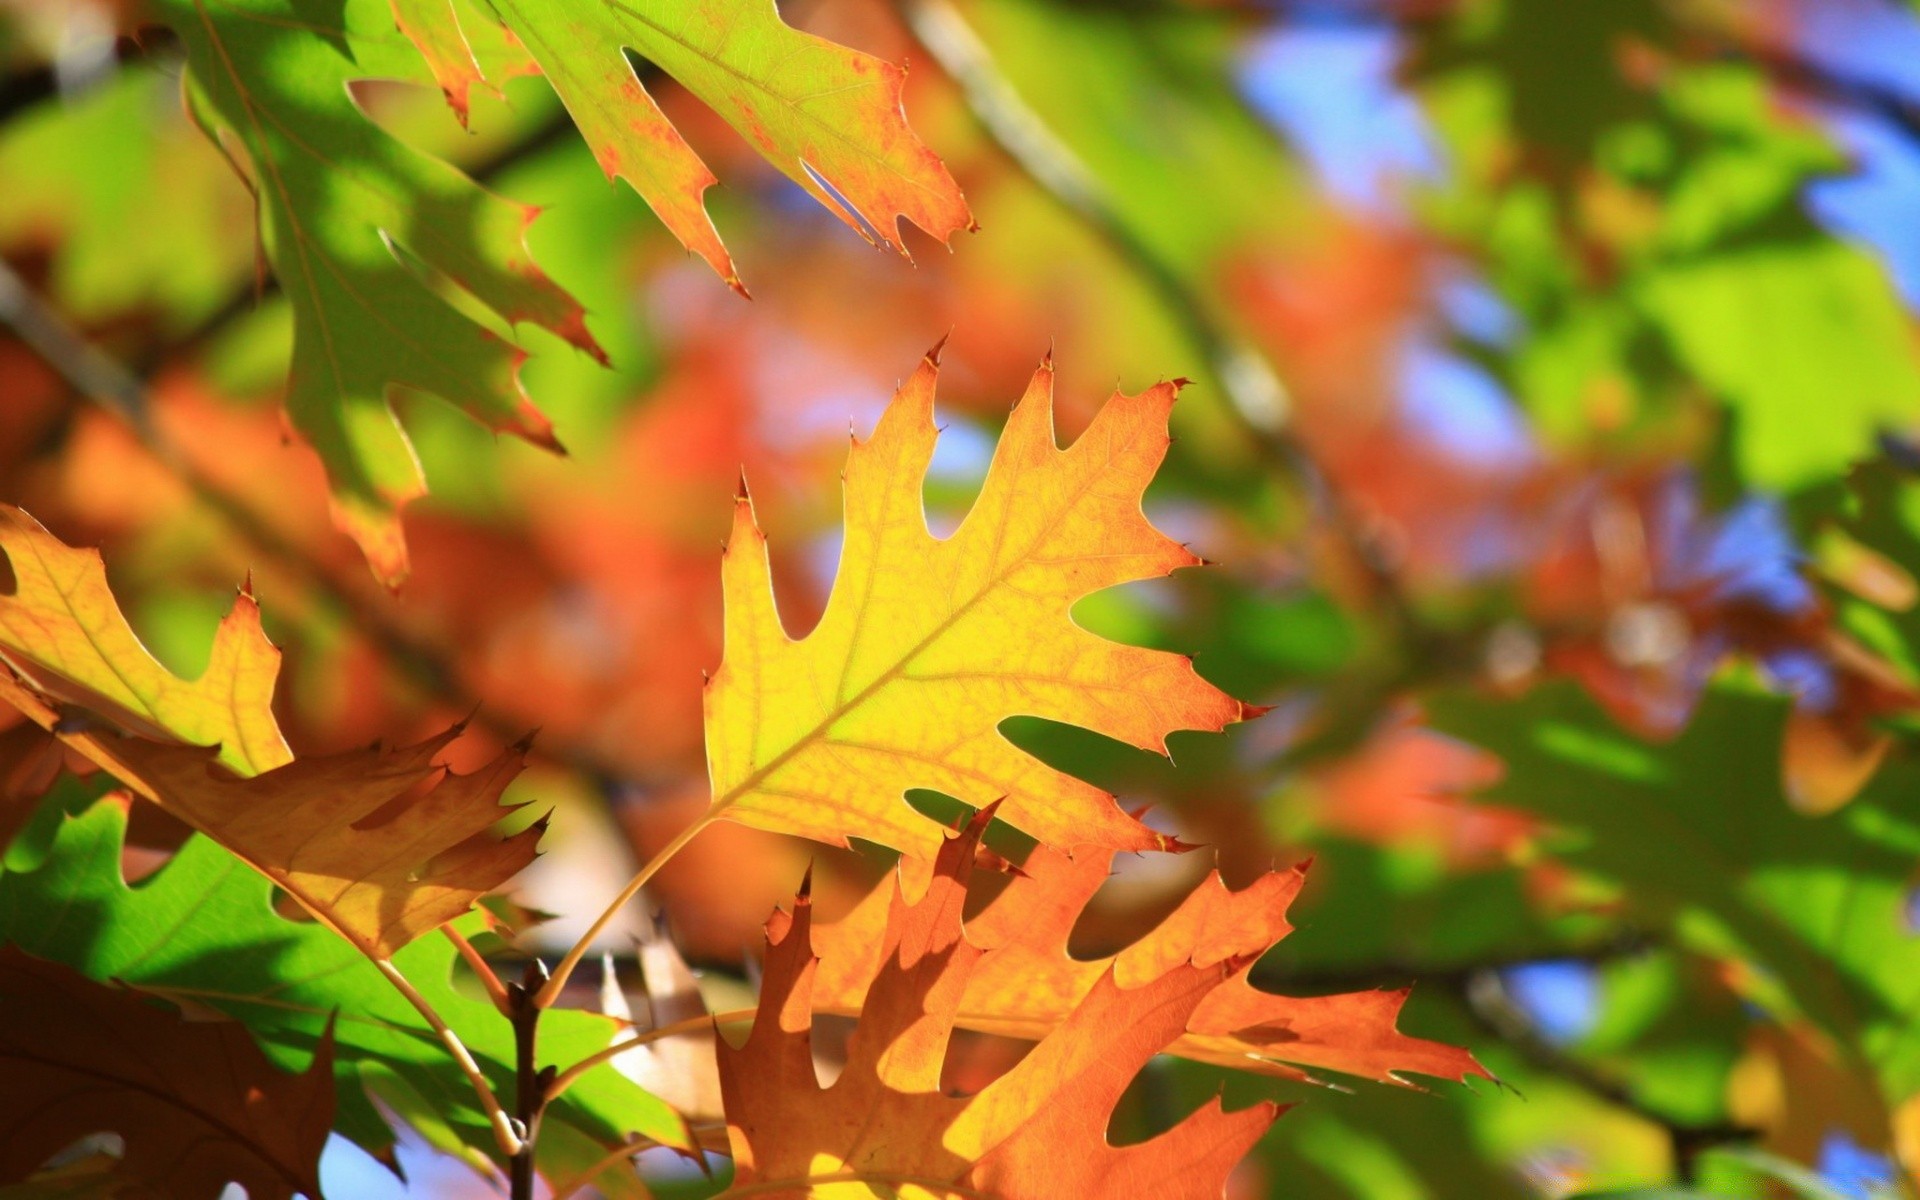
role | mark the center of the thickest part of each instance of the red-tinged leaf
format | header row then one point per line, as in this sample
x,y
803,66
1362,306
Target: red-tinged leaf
x,y
433,27
363,232
828,117
1029,982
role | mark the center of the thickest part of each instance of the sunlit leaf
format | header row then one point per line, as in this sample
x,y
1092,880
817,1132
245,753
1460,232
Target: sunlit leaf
x,y
1037,1131
927,645
203,931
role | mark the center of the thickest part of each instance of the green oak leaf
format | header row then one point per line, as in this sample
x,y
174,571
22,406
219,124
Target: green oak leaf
x,y
203,931
365,234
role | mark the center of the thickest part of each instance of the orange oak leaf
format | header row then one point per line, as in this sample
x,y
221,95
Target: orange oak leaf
x,y
379,845
827,117
1029,983
926,645
1037,1131
197,1104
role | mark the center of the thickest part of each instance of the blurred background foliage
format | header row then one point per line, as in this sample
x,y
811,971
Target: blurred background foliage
x,y
1556,385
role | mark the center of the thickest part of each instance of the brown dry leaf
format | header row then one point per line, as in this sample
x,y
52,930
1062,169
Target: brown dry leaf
x,y
197,1104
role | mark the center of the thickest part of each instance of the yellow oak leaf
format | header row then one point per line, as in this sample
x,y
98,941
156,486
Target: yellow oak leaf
x,y
927,645
62,633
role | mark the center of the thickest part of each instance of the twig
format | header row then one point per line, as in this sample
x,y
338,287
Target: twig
x,y
530,1082
496,991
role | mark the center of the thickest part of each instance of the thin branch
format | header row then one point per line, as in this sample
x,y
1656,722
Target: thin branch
x,y
530,1082
496,991
504,1132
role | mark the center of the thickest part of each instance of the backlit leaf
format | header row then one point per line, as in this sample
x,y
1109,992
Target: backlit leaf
x,y
361,231
1037,1131
1030,982
927,645
827,117
202,931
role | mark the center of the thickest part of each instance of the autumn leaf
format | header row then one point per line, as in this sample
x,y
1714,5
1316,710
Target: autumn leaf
x,y
433,26
360,839
926,645
196,1104
1029,982
361,231
1037,1131
827,117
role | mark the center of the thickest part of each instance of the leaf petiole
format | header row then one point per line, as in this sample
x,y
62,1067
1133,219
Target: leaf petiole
x,y
551,992
503,1125
496,991
571,1075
